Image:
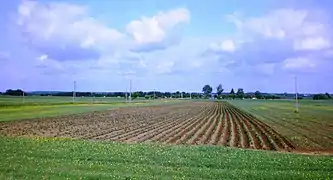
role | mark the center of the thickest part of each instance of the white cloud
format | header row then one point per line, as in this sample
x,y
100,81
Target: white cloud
x,y
157,29
64,32
64,24
278,24
225,46
228,46
307,29
42,57
312,43
277,37
298,63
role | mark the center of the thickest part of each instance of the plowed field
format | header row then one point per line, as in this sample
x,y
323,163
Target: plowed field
x,y
192,123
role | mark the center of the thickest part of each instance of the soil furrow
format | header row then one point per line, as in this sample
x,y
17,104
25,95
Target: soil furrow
x,y
274,137
212,128
216,136
137,131
166,134
226,129
198,133
249,133
234,141
149,134
244,139
268,143
181,132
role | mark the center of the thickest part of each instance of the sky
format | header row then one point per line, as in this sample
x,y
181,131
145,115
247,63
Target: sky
x,y
166,45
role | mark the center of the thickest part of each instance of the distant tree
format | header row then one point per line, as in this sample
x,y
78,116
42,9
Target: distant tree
x,y
232,94
135,95
240,93
232,91
17,92
219,90
167,94
147,96
247,96
258,94
328,95
320,97
207,89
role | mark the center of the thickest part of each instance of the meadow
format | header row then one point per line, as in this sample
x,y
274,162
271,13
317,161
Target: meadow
x,y
16,108
117,148
47,158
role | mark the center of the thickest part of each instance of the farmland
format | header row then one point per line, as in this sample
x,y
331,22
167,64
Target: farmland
x,y
162,139
310,129
213,123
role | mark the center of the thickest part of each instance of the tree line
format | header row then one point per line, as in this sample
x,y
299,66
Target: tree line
x,y
240,94
207,92
147,95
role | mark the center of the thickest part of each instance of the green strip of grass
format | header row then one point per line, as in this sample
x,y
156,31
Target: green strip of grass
x,y
45,158
11,113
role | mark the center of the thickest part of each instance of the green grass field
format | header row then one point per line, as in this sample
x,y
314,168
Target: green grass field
x,y
42,100
311,127
47,158
43,158
13,108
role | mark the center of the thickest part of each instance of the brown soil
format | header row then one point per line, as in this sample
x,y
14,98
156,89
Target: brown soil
x,y
191,123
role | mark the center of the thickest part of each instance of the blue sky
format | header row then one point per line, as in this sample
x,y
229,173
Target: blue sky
x,y
166,45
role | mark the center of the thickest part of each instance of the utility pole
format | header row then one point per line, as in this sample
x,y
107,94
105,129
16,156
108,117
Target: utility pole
x,y
190,95
154,95
74,88
126,94
296,95
130,88
23,99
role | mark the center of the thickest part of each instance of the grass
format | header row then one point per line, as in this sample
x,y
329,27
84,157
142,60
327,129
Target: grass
x,y
12,108
45,158
48,100
311,127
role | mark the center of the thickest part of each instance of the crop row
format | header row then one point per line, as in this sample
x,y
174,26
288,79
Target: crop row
x,y
195,123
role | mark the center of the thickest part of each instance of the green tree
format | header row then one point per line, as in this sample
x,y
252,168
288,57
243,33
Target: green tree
x,y
258,95
240,93
320,97
207,89
219,90
328,95
17,92
135,95
232,94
